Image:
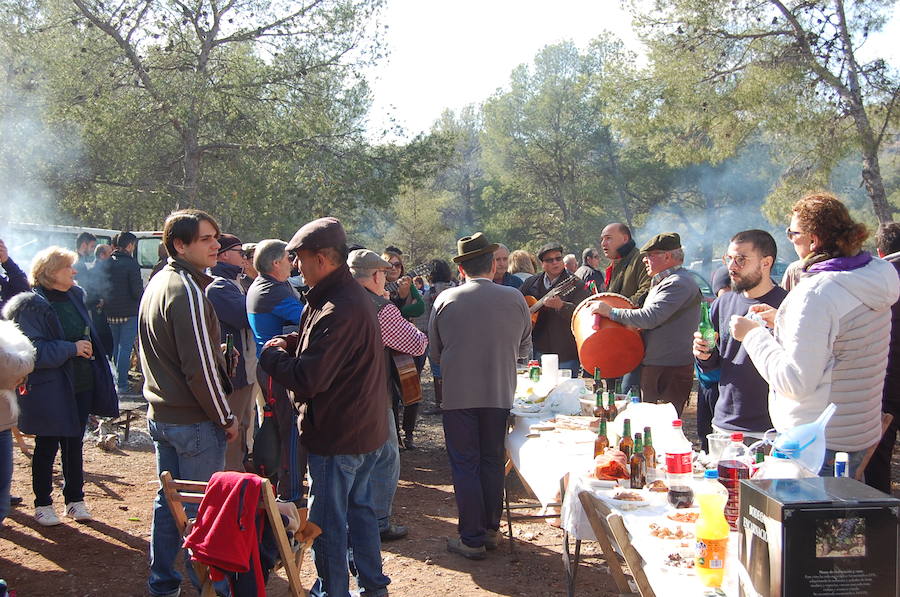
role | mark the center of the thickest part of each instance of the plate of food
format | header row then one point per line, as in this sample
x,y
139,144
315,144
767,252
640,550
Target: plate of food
x,y
671,532
680,561
685,516
626,500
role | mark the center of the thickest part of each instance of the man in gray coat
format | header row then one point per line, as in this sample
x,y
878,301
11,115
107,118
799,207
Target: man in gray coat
x,y
476,333
669,317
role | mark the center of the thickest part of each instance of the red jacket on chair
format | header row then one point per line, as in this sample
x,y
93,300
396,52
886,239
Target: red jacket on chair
x,y
226,534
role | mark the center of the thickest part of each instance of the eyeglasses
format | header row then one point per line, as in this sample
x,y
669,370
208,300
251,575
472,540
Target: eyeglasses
x,y
396,264
551,259
739,260
792,233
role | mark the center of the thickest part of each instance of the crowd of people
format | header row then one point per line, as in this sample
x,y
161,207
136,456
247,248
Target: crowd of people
x,y
225,341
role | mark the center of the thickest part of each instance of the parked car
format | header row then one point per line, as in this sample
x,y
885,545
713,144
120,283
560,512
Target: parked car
x,y
705,288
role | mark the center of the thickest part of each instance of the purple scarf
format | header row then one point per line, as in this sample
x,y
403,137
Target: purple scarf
x,y
841,264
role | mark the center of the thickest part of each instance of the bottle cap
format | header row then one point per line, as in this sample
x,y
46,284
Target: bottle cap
x,y
711,474
737,437
676,423
842,457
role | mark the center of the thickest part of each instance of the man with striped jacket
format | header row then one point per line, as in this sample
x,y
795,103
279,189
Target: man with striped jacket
x,y
185,379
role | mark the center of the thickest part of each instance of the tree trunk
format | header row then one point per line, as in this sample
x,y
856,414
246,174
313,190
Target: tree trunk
x,y
191,168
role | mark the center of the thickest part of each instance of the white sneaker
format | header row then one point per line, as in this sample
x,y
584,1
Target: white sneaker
x,y
78,511
46,516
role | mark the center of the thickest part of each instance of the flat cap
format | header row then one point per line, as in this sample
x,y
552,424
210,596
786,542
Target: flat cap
x,y
227,242
366,259
323,233
551,246
665,241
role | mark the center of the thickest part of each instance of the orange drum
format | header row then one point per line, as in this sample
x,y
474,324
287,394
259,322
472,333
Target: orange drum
x,y
612,347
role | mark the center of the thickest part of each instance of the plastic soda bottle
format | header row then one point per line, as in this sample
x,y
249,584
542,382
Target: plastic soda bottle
x,y
841,464
679,468
711,530
734,465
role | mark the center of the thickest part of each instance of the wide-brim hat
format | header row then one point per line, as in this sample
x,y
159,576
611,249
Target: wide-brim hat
x,y
469,247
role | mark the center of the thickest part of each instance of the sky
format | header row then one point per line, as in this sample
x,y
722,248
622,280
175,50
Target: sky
x,y
450,53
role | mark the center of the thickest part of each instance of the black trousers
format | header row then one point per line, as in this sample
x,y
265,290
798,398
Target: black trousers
x,y
667,384
475,446
878,471
706,408
45,449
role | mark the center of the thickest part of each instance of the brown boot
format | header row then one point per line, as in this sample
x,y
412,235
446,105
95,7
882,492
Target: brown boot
x,y
438,397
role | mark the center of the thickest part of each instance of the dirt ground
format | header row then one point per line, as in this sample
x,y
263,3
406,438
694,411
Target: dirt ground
x,y
109,555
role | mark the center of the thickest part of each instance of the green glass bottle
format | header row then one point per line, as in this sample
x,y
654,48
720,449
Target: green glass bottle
x,y
601,443
706,327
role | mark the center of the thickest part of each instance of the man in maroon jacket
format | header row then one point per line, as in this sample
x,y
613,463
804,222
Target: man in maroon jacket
x,y
334,368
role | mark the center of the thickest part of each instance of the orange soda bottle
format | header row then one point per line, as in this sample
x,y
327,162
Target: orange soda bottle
x,y
711,530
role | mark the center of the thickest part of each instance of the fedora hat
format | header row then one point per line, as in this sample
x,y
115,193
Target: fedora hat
x,y
469,247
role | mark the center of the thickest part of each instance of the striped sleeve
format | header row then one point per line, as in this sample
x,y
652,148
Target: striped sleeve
x,y
198,353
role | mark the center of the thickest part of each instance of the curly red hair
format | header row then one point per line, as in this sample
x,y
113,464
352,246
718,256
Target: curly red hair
x,y
825,216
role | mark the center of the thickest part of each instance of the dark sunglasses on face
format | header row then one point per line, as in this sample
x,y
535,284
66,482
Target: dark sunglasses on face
x,y
551,259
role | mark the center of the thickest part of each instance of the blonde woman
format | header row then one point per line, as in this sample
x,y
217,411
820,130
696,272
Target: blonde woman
x,y
521,264
71,380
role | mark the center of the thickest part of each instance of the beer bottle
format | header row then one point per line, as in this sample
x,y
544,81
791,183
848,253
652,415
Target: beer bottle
x,y
638,464
649,455
706,327
627,444
86,335
619,389
611,410
601,443
599,409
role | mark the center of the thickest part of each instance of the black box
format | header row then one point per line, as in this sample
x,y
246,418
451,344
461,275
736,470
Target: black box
x,y
818,537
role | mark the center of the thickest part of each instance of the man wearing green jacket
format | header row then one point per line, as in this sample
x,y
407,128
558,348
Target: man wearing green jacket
x,y
625,275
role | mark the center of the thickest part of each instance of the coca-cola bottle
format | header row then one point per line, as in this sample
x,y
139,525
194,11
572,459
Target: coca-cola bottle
x,y
679,468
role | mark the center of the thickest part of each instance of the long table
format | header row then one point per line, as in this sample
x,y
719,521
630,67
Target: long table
x,y
554,464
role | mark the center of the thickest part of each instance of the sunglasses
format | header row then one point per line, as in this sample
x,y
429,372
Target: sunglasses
x,y
551,259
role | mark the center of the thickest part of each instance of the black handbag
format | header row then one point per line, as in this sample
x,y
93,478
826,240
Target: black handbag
x,y
267,440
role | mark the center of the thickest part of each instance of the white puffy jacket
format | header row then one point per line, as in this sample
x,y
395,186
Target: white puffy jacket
x,y
830,345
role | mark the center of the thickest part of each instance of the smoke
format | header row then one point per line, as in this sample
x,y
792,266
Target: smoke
x,y
38,158
713,203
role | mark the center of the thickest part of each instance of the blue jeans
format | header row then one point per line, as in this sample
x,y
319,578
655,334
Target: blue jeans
x,y
123,335
193,452
341,504
385,475
6,471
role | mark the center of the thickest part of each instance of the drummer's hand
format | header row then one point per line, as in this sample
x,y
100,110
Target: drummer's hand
x,y
601,308
740,326
701,349
766,312
554,303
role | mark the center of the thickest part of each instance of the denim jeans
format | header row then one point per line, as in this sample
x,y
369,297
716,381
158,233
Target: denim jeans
x,y
123,335
341,504
386,475
6,470
193,452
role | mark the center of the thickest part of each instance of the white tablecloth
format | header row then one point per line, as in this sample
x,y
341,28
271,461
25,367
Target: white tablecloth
x,y
664,580
543,461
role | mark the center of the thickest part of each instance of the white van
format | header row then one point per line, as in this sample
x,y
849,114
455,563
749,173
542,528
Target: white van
x,y
24,240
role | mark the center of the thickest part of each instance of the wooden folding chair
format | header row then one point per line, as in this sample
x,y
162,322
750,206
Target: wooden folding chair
x,y
886,420
608,528
178,493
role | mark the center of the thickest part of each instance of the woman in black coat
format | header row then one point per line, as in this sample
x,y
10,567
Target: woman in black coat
x,y
71,380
